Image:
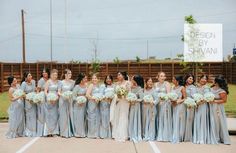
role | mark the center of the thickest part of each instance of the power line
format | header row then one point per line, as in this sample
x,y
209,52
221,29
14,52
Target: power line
x,y
113,39
10,38
95,38
140,21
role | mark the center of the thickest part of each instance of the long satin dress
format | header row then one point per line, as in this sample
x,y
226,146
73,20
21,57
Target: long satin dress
x,y
16,117
30,111
218,122
66,110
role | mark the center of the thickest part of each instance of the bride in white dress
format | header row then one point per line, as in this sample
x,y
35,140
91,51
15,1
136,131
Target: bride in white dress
x,y
120,110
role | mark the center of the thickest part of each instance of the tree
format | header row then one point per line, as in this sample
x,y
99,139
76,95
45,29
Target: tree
x,y
116,60
95,66
196,66
138,59
74,61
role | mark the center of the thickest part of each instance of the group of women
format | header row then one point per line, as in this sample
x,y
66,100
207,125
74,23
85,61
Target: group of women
x,y
162,120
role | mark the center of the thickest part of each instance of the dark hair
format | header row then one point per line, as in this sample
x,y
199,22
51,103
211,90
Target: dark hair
x,y
187,76
45,70
63,76
80,77
180,80
139,80
220,80
105,80
124,74
203,75
25,75
10,79
146,80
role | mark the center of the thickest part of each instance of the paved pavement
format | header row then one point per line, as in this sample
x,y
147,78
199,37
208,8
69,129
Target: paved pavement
x,y
84,145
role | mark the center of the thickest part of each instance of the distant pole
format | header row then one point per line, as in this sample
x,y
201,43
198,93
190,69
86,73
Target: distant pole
x,y
51,30
65,26
147,51
23,35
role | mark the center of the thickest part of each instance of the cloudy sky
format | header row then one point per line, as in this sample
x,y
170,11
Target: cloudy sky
x,y
120,28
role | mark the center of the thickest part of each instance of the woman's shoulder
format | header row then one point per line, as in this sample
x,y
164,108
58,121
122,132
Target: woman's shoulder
x,y
11,90
33,81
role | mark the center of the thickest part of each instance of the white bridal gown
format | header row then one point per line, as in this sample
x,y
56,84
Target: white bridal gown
x,y
119,115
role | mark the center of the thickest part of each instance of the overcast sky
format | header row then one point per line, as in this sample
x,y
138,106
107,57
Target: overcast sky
x,y
121,26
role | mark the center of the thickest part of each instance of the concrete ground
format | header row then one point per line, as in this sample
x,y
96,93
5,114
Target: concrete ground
x,y
84,145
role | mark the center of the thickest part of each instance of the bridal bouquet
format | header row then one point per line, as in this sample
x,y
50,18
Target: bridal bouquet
x,y
30,96
162,96
81,99
131,97
209,97
190,103
148,99
18,93
121,92
38,98
67,94
198,97
52,97
172,96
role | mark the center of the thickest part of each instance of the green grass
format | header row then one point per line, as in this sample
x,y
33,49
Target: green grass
x,y
230,106
4,104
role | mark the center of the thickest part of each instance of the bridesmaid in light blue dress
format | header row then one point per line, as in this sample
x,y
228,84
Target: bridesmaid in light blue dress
x,y
179,116
105,128
190,90
93,114
79,110
218,123
149,112
201,119
51,127
28,86
135,125
15,111
41,106
165,113
66,106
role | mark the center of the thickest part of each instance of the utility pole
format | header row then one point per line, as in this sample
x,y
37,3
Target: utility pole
x,y
65,47
23,34
51,29
147,51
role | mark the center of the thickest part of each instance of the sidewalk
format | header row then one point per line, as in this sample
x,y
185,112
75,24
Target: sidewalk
x,y
231,122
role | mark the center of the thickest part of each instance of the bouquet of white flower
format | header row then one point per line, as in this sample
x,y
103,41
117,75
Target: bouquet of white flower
x,y
148,99
52,97
162,96
131,97
38,98
109,95
190,103
81,99
18,93
97,97
30,96
209,97
172,96
121,91
67,94
198,97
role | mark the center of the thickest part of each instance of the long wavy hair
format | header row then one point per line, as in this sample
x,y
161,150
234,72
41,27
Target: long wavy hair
x,y
220,80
